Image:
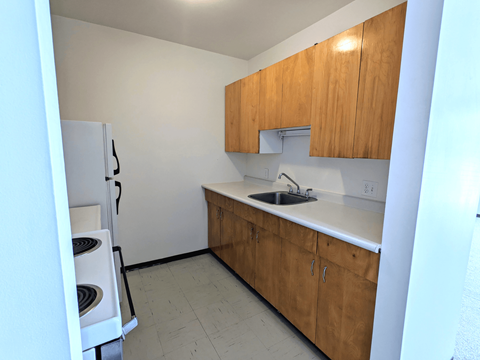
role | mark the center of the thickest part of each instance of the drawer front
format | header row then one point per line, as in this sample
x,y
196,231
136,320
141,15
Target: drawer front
x,y
299,235
219,200
359,261
248,213
270,222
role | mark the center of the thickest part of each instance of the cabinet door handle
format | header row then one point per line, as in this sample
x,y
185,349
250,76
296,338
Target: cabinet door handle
x,y
221,213
217,213
258,232
324,271
251,233
311,267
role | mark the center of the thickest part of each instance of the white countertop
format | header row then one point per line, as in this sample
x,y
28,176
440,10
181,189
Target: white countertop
x,y
359,227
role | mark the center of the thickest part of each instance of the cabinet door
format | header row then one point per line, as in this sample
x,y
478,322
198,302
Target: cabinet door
x,y
245,248
271,97
250,96
227,239
346,306
334,100
299,284
267,265
378,86
297,88
214,228
232,116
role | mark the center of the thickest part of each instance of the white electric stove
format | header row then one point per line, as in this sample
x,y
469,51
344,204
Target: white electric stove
x,y
99,308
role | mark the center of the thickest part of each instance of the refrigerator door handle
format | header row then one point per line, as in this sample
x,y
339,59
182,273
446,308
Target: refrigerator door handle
x,y
117,170
119,185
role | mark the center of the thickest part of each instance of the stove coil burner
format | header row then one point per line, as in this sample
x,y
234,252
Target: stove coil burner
x,y
89,296
85,245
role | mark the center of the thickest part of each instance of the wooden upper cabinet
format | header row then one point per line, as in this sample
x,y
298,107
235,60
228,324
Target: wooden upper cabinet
x,y
297,88
270,112
334,94
250,92
232,116
378,86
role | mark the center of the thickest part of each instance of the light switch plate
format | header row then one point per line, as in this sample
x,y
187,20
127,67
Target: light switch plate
x,y
369,188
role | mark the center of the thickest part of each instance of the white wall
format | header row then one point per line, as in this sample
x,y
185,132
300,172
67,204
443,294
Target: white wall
x,y
342,176
166,104
38,296
428,230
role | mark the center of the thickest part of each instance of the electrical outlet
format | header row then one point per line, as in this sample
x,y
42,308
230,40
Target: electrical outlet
x,y
266,173
369,188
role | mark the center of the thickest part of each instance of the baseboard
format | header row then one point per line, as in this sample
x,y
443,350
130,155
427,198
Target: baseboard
x,y
147,264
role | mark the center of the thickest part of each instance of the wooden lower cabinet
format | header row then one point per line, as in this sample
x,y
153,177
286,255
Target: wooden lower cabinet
x,y
346,306
267,265
245,250
299,286
326,288
214,229
228,238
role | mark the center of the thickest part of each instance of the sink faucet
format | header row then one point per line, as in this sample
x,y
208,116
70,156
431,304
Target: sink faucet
x,y
289,178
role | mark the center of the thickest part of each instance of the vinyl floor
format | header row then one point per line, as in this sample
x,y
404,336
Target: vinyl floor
x,y
196,309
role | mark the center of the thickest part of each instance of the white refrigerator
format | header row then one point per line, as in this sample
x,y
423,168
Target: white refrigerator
x,y
90,157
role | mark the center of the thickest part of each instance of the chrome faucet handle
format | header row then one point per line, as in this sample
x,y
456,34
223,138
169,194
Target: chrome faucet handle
x,y
307,192
290,188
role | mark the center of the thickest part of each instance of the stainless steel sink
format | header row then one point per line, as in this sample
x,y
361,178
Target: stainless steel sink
x,y
281,198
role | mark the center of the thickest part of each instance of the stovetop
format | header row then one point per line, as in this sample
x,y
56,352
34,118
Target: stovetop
x,y
103,323
89,296
85,245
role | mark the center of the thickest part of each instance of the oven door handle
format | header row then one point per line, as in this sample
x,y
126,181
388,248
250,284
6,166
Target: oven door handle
x,y
132,324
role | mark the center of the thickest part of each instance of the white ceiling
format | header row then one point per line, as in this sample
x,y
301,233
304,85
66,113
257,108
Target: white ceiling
x,y
238,28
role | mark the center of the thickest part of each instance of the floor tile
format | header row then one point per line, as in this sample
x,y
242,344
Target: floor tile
x,y
137,292
144,317
134,278
202,296
230,286
208,259
196,309
185,265
142,344
214,272
187,280
198,350
158,278
168,305
268,328
294,348
246,305
239,342
182,331
217,316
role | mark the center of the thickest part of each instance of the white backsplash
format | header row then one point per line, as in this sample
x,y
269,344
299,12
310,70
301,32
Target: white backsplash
x,y
329,175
